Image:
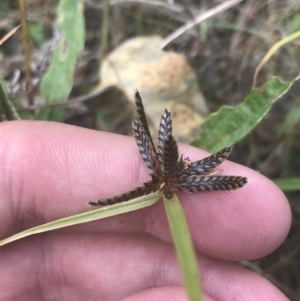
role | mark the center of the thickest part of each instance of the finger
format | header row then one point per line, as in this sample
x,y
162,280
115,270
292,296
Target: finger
x,y
243,224
163,294
67,266
52,170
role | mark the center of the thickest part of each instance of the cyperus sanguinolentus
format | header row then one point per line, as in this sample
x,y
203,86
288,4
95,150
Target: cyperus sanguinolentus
x,y
169,171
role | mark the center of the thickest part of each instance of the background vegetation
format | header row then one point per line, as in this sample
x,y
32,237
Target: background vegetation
x,y
224,51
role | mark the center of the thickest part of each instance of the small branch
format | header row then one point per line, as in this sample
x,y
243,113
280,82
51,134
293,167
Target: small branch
x,y
26,49
8,35
104,30
202,17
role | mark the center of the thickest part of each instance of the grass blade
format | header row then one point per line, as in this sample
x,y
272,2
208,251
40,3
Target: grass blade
x,y
288,184
184,248
88,216
272,51
57,83
229,125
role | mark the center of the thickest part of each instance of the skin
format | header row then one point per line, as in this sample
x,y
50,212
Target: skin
x,y
49,171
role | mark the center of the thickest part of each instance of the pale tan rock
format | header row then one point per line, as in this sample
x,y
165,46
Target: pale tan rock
x,y
164,79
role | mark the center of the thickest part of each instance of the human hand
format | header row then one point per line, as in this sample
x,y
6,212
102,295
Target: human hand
x,y
49,171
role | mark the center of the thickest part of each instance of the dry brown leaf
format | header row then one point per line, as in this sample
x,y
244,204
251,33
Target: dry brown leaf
x,y
165,79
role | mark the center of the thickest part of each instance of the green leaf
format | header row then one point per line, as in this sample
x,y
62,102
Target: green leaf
x,y
57,83
184,248
292,119
293,23
229,125
288,184
88,216
36,33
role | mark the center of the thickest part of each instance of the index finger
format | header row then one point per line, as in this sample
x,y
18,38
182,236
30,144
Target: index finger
x,y
53,170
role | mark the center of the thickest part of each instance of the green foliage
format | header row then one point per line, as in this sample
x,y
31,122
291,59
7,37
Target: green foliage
x,y
36,33
293,23
288,184
57,83
292,119
229,125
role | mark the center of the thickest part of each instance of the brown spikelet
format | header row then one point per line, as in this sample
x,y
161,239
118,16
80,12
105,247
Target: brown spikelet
x,y
144,124
164,130
207,164
143,146
167,170
198,183
170,157
143,189
142,117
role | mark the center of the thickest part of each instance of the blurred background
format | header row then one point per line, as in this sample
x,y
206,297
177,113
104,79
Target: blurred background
x,y
211,64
